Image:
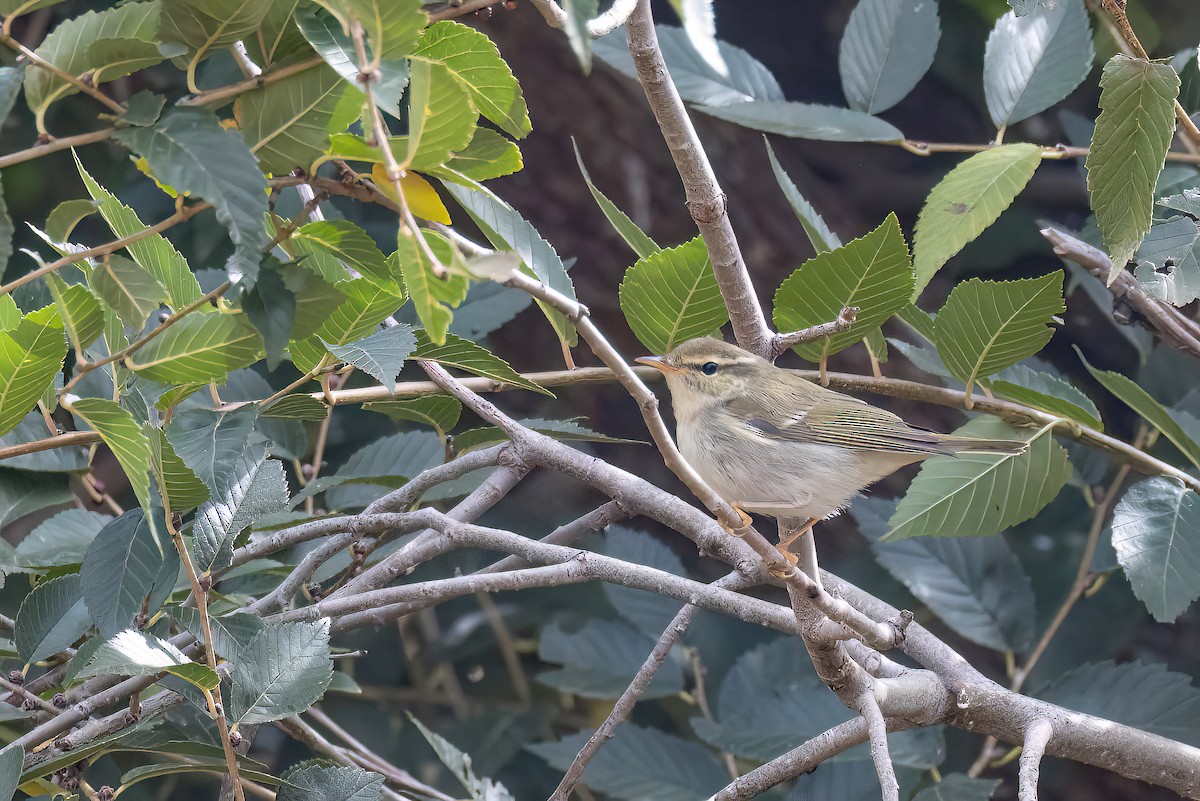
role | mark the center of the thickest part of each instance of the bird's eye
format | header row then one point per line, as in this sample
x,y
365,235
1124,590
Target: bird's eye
x,y
708,368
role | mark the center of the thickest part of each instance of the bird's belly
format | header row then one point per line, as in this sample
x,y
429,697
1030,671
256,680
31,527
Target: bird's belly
x,y
785,479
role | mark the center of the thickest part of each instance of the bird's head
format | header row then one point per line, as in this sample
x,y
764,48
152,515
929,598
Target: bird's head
x,y
704,372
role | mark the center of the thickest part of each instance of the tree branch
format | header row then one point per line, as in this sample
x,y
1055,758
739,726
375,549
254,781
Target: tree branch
x,y
1037,735
705,200
780,343
877,734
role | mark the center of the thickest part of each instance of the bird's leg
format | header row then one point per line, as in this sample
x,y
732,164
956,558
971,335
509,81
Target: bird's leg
x,y
740,531
791,535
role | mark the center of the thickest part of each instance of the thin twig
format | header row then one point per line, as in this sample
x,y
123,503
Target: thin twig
x,y
62,143
877,732
1037,736
781,342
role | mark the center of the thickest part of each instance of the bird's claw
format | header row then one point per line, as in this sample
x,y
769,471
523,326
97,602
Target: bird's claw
x,y
741,530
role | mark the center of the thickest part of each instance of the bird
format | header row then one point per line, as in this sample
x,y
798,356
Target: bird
x,y
769,441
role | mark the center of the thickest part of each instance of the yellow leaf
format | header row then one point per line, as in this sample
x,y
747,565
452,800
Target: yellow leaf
x,y
419,194
144,168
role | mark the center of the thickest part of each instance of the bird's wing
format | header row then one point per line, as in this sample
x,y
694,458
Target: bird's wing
x,y
840,421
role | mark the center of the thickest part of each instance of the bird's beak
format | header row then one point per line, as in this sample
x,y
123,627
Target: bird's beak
x,y
658,363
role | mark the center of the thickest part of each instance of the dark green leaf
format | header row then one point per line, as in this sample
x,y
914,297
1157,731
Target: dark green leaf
x,y
190,150
281,672
205,27
873,273
12,758
566,430
1133,132
231,633
642,763
959,786
819,235
433,296
672,296
296,407
56,460
128,289
979,494
1034,61
1046,392
1147,697
480,789
50,618
10,87
208,441
387,462
326,36
986,326
312,780
144,108
66,215
62,539
391,26
888,45
600,658
23,493
439,411
249,486
649,612
1154,532
807,121
121,569
969,199
466,355
271,308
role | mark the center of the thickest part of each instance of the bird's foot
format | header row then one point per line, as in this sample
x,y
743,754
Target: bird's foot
x,y
791,558
785,544
741,530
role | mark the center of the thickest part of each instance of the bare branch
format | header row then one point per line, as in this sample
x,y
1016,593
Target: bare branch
x,y
781,342
705,200
616,16
877,732
1037,735
1175,328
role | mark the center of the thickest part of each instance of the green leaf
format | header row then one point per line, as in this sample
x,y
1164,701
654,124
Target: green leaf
x,y
231,633
310,780
959,786
12,759
1153,532
980,494
672,296
296,407
1034,61
349,245
190,150
124,437
1147,697
819,235
127,567
459,763
204,27
79,309
578,12
31,354
1169,262
249,487
51,617
287,123
474,61
381,355
391,26
806,121
566,430
387,462
366,305
11,79
326,36
642,763
441,118
969,199
281,672
135,653
466,355
129,290
694,77
209,441
888,45
55,460
10,315
976,585
986,326
182,490
507,230
432,297
199,348
1145,405
600,657
23,493
6,232
1046,392
641,244
488,155
700,25
154,253
648,612
872,272
66,215
108,44
440,411
1133,132
61,540
271,308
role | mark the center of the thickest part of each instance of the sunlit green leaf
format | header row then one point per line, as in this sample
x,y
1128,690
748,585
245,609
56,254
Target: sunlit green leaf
x,y
200,347
365,307
287,122
346,243
1046,392
124,437
136,653
31,354
641,244
128,289
440,411
79,309
967,201
326,36
1133,132
204,27
441,118
181,488
672,296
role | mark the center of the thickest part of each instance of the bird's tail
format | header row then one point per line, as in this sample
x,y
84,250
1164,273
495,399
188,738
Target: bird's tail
x,y
1005,447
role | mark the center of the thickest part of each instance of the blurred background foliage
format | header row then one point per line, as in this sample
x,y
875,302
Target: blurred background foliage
x,y
578,645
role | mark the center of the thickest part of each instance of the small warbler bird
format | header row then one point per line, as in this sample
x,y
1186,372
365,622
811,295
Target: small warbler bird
x,y
768,440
